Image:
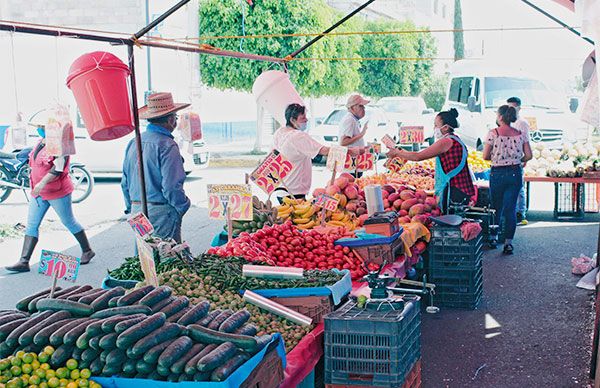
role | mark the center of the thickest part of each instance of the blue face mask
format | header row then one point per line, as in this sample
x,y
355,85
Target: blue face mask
x,y
42,132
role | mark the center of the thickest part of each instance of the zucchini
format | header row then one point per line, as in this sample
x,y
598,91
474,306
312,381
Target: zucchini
x,y
161,305
157,295
140,330
88,299
152,355
165,333
11,317
5,350
116,357
134,296
235,321
77,353
221,373
8,328
111,370
202,376
42,337
32,305
78,295
27,337
109,341
89,355
101,302
248,329
126,324
173,378
155,376
179,365
108,326
129,367
209,318
208,336
79,290
197,312
96,367
183,377
95,328
83,342
190,366
112,302
71,336
13,338
84,364
216,323
124,310
161,370
176,306
174,352
75,308
95,343
217,357
131,355
23,304
103,355
175,317
56,338
61,355
143,367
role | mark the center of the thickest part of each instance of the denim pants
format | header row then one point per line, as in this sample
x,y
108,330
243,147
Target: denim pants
x,y
38,208
505,185
164,218
522,202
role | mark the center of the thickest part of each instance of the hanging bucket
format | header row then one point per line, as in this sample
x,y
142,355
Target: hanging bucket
x,y
274,91
99,83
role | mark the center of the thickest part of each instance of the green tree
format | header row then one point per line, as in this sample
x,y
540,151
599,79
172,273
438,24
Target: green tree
x,y
459,42
311,78
426,48
435,93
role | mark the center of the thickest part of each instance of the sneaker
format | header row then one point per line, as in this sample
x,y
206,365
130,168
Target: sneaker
x,y
523,222
508,249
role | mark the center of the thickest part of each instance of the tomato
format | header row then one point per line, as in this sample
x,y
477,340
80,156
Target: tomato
x,y
346,250
281,238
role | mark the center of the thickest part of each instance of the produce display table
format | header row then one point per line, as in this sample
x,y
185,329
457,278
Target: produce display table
x,y
301,361
569,195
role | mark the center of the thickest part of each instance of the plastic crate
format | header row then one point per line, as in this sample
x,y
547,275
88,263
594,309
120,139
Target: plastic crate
x,y
381,252
454,261
370,347
569,200
466,301
413,379
269,373
456,281
315,307
592,197
448,240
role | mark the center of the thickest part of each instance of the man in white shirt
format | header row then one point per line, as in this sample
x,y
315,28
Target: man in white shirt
x,y
350,134
523,127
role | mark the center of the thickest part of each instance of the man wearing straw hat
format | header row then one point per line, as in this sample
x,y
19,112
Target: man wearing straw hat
x,y
163,169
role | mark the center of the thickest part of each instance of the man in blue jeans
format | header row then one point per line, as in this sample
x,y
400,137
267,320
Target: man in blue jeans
x,y
522,126
163,169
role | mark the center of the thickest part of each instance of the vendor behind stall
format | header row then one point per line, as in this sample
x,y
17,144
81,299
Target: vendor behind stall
x,y
453,180
299,148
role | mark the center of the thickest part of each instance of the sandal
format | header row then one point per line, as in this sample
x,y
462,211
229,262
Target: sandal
x,y
508,249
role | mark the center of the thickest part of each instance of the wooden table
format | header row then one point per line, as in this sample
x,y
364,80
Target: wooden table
x,y
575,195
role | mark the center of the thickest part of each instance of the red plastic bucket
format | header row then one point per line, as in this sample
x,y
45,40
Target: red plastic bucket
x,y
99,83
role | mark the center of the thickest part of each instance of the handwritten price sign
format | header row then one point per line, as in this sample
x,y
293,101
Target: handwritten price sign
x,y
234,198
269,175
395,165
146,255
388,141
141,225
375,148
66,267
327,202
362,162
337,157
412,135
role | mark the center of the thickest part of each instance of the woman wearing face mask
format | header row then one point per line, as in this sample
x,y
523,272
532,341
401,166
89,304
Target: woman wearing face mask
x,y
507,148
453,180
51,186
299,148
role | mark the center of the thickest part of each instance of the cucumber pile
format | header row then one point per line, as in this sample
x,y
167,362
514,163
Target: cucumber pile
x,y
148,333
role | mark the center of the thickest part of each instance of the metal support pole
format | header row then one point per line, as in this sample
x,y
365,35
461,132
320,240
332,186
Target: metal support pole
x,y
136,124
148,56
336,25
159,19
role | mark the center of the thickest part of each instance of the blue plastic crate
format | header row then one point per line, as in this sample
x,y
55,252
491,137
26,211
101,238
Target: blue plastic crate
x,y
370,347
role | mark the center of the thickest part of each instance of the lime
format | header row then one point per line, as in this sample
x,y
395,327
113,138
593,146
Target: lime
x,y
43,384
72,384
4,364
48,350
13,384
41,373
85,373
71,364
50,374
27,368
53,382
45,366
82,383
15,361
35,380
62,373
63,382
20,354
29,357
43,357
35,364
7,373
75,374
15,370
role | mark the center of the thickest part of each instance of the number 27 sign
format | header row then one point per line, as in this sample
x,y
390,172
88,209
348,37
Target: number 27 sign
x,y
236,199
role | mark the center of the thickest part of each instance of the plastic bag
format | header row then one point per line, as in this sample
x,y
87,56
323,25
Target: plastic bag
x,y
60,140
190,126
582,264
16,136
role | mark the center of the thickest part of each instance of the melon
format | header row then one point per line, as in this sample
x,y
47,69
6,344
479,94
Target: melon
x,y
407,204
421,194
407,194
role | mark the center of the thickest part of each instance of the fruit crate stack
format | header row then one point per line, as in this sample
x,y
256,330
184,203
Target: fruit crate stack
x,y
370,347
455,266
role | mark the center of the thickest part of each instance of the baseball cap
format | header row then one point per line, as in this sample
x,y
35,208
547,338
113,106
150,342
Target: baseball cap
x,y
356,99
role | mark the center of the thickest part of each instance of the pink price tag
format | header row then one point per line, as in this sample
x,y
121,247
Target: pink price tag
x,y
327,202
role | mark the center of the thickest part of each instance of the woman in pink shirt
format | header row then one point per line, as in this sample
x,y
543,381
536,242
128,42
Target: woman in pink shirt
x,y
51,186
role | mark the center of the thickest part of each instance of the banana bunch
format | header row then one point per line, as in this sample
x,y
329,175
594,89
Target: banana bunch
x,y
342,218
302,213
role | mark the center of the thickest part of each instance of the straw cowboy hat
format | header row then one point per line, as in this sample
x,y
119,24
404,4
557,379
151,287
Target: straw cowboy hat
x,y
159,105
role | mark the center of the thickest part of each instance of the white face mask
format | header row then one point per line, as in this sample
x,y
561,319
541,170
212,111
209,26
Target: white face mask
x,y
437,133
302,127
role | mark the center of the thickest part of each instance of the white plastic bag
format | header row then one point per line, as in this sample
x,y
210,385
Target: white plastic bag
x,y
60,140
190,126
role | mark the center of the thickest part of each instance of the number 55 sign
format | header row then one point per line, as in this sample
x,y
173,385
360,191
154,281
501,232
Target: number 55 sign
x,y
237,199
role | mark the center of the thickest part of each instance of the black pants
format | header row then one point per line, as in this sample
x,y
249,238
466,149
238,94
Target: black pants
x,y
457,196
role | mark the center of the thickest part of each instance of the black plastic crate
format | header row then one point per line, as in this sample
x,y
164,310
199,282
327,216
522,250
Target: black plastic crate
x,y
569,200
467,301
456,281
448,240
370,347
454,261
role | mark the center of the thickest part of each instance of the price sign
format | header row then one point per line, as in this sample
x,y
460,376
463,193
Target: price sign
x,y
146,255
412,135
388,141
336,154
395,165
375,148
327,202
141,225
362,162
65,267
532,121
236,199
271,172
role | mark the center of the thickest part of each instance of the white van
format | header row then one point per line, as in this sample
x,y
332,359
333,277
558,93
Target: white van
x,y
477,88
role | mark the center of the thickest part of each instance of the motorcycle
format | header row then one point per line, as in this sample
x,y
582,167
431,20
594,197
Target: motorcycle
x,y
15,171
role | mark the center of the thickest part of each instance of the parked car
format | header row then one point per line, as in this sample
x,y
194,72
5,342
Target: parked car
x,y
477,89
409,111
327,133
